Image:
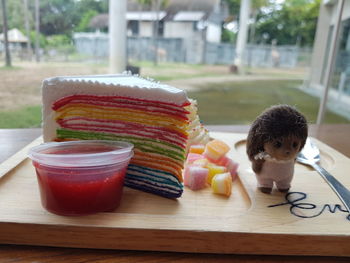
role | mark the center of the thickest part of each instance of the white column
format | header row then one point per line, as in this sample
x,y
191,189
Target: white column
x,y
331,61
320,46
117,36
242,34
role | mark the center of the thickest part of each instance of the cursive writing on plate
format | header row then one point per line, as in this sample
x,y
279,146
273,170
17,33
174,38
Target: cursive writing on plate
x,y
294,200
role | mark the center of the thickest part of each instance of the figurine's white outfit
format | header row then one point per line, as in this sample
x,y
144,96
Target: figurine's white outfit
x,y
280,172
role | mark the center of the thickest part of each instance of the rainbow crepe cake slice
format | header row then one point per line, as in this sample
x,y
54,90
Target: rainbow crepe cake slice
x,y
150,115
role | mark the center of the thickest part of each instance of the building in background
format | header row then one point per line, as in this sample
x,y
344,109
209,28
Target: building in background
x,y
17,41
198,19
339,92
189,32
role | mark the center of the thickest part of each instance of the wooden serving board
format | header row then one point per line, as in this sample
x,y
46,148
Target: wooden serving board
x,y
199,221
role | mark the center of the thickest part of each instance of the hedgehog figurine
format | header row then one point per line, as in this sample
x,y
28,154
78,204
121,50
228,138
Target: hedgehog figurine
x,y
274,140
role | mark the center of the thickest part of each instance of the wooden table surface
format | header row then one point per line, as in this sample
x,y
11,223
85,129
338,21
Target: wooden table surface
x,y
12,140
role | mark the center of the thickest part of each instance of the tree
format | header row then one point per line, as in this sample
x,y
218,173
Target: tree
x,y
256,6
228,36
37,30
293,24
84,22
88,9
233,6
99,6
5,29
58,17
255,11
15,17
27,26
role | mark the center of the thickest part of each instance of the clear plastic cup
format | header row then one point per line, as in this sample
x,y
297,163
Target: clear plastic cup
x,y
81,177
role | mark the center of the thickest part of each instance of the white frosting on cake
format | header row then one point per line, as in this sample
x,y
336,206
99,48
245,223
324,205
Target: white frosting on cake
x,y
197,134
125,85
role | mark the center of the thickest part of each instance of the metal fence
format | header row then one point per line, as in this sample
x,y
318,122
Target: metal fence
x,y
222,53
193,51
95,46
92,44
166,49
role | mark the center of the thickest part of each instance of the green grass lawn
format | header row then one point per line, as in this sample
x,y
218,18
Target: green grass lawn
x,y
169,71
5,68
183,76
228,103
28,117
241,102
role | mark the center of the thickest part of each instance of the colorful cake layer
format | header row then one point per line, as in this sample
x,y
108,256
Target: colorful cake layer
x,y
125,108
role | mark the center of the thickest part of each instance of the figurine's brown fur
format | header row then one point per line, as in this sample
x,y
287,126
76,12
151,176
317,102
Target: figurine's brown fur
x,y
280,130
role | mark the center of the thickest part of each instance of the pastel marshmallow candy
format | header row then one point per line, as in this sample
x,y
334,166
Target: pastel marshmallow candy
x,y
195,177
222,184
231,165
197,148
232,168
201,162
215,149
192,157
214,170
223,161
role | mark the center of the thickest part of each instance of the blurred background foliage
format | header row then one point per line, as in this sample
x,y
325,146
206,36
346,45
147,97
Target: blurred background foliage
x,y
288,23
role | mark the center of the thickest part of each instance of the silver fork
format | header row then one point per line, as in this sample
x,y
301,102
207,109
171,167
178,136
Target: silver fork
x,y
310,155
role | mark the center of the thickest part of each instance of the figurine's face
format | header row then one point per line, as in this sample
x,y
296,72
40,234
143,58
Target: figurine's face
x,y
285,148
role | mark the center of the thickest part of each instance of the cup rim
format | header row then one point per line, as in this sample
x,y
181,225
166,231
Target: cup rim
x,y
123,152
